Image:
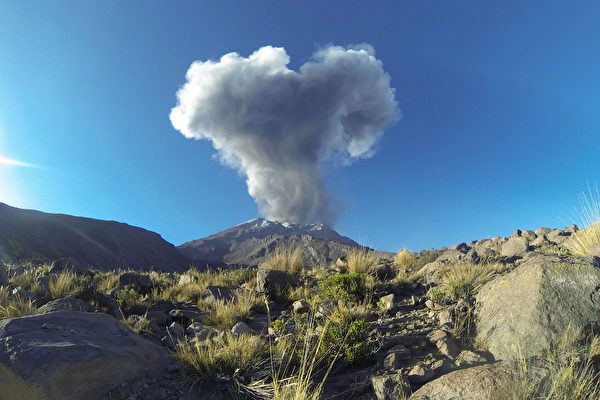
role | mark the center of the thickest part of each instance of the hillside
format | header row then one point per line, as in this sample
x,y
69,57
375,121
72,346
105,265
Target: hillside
x,y
34,235
249,243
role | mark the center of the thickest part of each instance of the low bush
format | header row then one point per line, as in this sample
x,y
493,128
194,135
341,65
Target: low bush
x,y
346,287
349,338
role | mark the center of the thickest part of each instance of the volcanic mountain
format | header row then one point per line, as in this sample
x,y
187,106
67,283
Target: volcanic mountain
x,y
250,242
42,237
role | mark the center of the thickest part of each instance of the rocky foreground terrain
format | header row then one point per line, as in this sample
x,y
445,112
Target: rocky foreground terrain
x,y
499,318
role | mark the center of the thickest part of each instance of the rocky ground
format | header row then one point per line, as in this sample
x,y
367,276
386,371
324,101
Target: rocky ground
x,y
452,323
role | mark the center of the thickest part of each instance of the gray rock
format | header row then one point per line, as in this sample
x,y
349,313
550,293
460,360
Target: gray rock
x,y
301,307
326,308
462,247
387,302
175,329
448,347
68,264
542,231
395,357
271,279
384,272
185,314
529,235
341,262
3,275
66,304
539,241
498,381
71,355
420,373
186,279
470,358
432,271
390,387
157,317
594,251
557,236
141,283
515,247
202,332
242,329
531,307
211,294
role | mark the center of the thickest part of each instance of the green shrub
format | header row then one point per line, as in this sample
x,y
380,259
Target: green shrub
x,y
350,339
347,287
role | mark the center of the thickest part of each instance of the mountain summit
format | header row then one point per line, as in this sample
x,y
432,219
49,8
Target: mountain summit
x,y
250,242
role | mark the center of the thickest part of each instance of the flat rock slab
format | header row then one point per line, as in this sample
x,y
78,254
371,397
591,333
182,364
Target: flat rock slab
x,y
72,355
484,382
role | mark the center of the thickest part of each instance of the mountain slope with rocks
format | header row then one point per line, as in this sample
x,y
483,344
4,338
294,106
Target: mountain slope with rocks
x,y
28,235
251,242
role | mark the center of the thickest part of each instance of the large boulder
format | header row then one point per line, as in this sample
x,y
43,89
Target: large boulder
x,y
520,314
271,279
515,247
211,294
497,381
71,355
64,304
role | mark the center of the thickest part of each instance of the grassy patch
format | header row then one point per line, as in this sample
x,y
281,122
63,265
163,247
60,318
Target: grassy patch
x,y
589,216
287,260
460,280
67,284
360,260
14,306
346,287
225,314
233,356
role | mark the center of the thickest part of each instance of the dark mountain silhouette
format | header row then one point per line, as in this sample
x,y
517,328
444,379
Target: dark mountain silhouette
x,y
38,236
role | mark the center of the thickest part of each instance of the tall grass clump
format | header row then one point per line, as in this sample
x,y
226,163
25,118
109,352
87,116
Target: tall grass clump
x,y
460,280
360,260
589,218
224,313
404,259
572,370
285,259
299,366
240,358
14,306
66,284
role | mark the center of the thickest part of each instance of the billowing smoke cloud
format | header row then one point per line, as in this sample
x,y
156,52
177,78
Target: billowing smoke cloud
x,y
279,127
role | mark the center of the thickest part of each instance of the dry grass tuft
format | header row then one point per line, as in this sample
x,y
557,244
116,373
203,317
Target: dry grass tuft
x,y
463,279
404,259
589,216
361,260
66,284
225,314
287,260
242,355
14,306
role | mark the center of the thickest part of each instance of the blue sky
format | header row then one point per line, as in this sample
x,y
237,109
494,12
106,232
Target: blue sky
x,y
500,102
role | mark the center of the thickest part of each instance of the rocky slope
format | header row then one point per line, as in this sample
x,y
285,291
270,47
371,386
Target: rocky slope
x,y
249,243
457,323
34,235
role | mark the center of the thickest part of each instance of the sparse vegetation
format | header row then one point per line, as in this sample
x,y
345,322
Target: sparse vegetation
x,y
137,323
460,280
589,216
66,284
14,306
346,287
284,259
225,314
237,357
360,260
404,259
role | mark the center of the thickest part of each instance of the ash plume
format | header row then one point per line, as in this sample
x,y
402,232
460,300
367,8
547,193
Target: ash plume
x,y
280,128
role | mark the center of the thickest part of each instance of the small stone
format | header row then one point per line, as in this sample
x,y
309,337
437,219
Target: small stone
x,y
241,329
467,357
448,347
387,302
420,373
176,329
301,306
390,387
